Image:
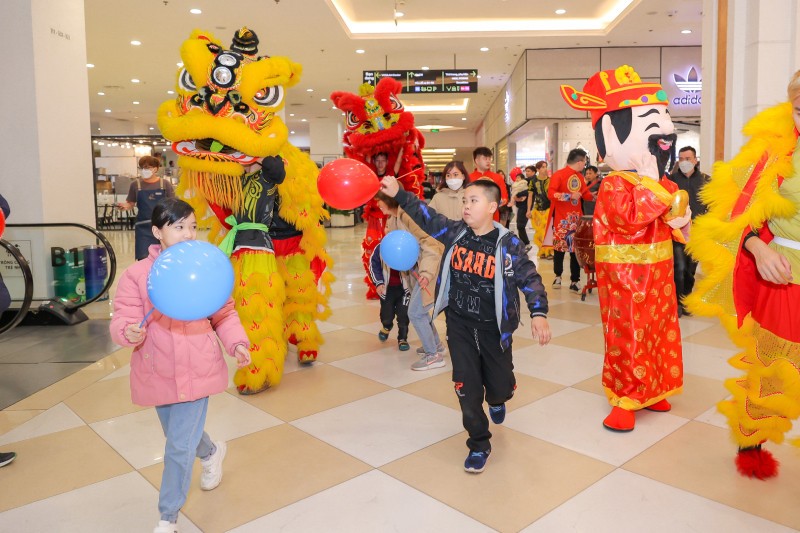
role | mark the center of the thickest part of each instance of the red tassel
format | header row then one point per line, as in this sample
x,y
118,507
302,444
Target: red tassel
x,y
757,463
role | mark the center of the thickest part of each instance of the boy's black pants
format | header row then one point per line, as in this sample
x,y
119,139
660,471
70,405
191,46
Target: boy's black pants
x,y
481,368
395,304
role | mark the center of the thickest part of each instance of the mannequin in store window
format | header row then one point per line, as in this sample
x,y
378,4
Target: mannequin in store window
x,y
145,192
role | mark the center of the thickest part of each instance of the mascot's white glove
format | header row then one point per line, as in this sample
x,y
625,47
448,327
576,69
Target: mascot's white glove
x,y
645,164
680,222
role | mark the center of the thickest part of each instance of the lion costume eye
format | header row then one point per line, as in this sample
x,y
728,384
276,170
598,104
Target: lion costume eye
x,y
352,120
185,81
396,104
269,96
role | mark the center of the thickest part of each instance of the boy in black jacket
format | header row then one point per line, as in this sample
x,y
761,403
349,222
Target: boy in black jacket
x,y
484,268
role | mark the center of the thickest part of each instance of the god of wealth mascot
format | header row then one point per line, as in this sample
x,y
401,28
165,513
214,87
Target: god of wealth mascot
x,y
634,224
224,127
376,123
748,248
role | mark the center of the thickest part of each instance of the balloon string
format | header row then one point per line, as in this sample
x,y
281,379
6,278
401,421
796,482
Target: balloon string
x,y
416,275
150,312
406,174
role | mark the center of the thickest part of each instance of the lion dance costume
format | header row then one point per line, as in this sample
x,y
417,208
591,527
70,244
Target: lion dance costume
x,y
757,191
223,121
633,243
377,123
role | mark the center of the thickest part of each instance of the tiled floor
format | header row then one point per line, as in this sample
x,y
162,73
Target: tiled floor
x,y
359,442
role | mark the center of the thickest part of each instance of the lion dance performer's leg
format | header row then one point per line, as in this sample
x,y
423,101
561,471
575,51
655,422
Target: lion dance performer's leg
x,y
376,223
767,398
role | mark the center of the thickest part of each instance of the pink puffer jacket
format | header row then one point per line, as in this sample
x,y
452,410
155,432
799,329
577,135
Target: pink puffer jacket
x,y
178,361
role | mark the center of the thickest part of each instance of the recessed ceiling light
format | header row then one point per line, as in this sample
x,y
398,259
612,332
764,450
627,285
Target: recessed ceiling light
x,y
195,11
303,120
180,64
309,90
135,102
136,43
560,11
151,128
334,107
323,99
399,14
101,93
463,118
686,31
134,80
479,76
170,92
291,114
426,68
360,51
484,49
89,65
292,132
98,129
108,111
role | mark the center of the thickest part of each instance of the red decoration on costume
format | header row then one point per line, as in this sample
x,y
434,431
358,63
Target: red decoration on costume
x,y
757,463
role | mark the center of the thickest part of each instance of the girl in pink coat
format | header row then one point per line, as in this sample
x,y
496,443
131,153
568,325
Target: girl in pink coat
x,y
177,365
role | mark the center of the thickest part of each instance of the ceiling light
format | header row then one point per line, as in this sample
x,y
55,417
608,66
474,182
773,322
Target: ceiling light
x,y
426,68
180,64
484,49
323,99
170,92
334,107
303,120
108,111
685,32
463,118
151,128
453,109
479,76
309,90
101,93
360,51
136,43
195,11
134,80
98,129
399,14
135,102
292,132
560,11
89,65
291,114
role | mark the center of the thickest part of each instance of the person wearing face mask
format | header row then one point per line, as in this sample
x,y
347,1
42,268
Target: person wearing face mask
x,y
145,193
687,177
450,198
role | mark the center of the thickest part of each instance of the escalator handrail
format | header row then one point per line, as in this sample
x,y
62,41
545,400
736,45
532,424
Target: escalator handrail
x,y
112,257
28,276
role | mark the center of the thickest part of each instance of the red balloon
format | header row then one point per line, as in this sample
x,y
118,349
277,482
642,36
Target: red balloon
x,y
347,183
2,223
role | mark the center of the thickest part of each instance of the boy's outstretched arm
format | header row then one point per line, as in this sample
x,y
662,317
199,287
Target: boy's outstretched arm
x,y
434,224
530,283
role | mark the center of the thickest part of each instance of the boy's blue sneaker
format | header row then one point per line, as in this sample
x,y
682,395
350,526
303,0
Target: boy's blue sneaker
x,y
476,461
497,413
403,345
383,334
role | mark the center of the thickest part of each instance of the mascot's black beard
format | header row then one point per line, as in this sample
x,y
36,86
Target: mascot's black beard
x,y
663,147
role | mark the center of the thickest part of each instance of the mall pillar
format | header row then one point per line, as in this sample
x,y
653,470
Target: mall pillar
x,y
46,173
326,139
749,53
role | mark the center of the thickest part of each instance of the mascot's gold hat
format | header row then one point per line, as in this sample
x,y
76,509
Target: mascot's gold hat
x,y
611,90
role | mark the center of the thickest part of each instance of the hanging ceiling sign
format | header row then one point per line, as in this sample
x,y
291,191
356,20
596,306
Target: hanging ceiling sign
x,y
429,81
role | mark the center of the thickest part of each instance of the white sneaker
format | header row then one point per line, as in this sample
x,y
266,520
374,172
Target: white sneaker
x,y
557,283
165,527
428,361
212,467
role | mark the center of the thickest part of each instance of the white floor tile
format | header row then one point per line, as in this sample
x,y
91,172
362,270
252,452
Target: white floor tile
x,y
708,361
650,506
124,503
57,418
690,326
573,419
390,366
384,427
558,364
558,327
339,303
372,502
118,373
138,437
375,327
327,327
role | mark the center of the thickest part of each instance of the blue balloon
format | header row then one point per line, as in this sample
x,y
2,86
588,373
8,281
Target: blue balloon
x,y
399,250
190,280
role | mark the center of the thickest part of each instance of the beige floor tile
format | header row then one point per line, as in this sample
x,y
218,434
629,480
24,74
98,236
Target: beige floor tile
x,y
355,315
344,343
699,458
311,391
58,392
524,479
104,400
439,389
699,394
294,466
11,419
587,339
576,312
715,336
58,463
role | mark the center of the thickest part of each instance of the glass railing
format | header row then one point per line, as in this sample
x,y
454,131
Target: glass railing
x,y
70,266
19,297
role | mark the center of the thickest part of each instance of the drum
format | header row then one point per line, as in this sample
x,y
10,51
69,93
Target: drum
x,y
584,243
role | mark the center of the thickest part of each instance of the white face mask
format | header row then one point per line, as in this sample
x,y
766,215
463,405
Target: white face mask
x,y
147,173
455,183
685,166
